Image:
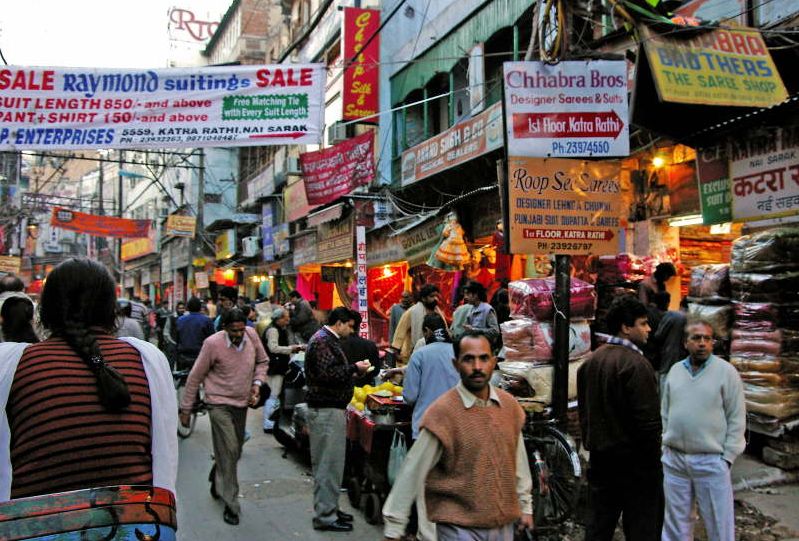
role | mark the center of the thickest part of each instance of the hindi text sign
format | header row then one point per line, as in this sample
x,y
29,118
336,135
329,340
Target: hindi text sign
x,y
361,275
337,170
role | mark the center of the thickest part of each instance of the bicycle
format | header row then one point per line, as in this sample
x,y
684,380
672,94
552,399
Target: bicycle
x,y
180,377
556,470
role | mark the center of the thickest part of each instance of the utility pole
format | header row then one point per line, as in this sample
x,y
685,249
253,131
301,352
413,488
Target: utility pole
x,y
119,203
196,243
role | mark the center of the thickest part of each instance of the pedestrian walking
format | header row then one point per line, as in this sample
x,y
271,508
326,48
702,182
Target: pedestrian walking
x,y
161,317
409,328
232,364
16,313
121,427
396,311
170,348
469,457
280,345
620,424
127,325
656,282
192,330
429,374
476,315
303,322
11,282
704,423
330,378
227,301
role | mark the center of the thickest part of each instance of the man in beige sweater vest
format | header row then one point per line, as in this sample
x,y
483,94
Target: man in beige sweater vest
x,y
469,457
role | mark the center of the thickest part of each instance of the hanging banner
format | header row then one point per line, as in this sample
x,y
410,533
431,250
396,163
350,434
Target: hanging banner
x,y
764,167
335,171
99,226
459,144
132,249
267,225
361,78
10,264
569,109
361,276
334,241
201,280
558,206
226,106
713,175
180,226
225,244
730,67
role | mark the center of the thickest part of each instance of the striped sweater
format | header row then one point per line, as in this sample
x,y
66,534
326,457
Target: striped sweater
x,y
61,437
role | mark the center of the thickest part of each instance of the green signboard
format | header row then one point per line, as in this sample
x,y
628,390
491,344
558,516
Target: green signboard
x,y
712,172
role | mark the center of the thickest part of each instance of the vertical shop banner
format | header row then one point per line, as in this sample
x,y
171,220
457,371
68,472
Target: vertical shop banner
x,y
713,176
730,66
559,206
459,144
225,106
180,226
295,202
225,244
362,280
337,170
267,224
362,77
99,226
569,109
764,167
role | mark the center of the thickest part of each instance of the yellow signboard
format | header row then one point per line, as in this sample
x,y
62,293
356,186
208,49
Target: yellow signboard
x,y
10,264
180,226
730,67
562,206
225,244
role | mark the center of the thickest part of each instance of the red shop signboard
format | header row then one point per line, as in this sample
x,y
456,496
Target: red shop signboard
x,y
362,75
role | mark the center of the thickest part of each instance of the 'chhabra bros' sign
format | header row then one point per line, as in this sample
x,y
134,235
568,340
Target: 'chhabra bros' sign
x,y
361,78
72,108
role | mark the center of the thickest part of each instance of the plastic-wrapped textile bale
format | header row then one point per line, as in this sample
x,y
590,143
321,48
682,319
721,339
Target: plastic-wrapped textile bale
x,y
775,250
756,316
534,297
765,363
779,402
528,340
539,378
774,343
624,268
718,316
710,284
764,287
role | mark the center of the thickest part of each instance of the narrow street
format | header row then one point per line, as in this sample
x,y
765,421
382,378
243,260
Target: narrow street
x,y
276,493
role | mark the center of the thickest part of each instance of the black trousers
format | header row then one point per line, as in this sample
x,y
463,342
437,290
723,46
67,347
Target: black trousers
x,y
627,486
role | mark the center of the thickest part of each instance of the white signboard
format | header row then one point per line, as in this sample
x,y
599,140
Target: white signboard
x,y
477,78
362,278
229,106
570,109
764,168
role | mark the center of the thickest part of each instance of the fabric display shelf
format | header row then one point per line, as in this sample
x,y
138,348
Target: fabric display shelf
x,y
528,338
764,278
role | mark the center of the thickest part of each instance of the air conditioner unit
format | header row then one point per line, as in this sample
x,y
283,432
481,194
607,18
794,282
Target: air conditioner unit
x,y
338,132
293,166
250,246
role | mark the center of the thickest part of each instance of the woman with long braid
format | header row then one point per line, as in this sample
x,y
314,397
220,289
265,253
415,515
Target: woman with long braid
x,y
84,409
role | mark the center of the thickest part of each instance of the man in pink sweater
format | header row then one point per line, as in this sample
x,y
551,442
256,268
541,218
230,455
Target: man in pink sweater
x,y
232,364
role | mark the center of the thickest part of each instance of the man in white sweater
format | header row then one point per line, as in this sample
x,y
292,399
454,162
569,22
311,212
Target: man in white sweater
x,y
704,421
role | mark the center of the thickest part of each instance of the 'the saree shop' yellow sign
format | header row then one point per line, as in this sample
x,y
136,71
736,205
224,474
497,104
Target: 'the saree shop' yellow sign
x,y
729,67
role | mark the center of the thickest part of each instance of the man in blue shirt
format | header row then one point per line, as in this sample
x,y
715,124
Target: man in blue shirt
x,y
193,328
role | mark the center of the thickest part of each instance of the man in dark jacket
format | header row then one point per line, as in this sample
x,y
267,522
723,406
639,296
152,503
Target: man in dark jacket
x,y
193,329
303,323
357,349
330,379
620,423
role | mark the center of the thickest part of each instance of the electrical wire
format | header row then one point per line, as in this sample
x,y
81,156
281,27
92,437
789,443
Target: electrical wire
x,y
3,58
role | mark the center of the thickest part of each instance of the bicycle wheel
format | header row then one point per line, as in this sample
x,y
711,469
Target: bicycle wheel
x,y
556,471
180,388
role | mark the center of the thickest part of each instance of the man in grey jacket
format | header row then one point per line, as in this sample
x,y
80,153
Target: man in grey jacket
x,y
302,322
704,421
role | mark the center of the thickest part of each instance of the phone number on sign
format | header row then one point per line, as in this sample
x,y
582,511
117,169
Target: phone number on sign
x,y
570,148
569,246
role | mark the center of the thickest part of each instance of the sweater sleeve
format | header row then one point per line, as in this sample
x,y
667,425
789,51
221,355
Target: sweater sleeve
x,y
197,375
326,367
413,376
664,405
272,342
261,358
735,412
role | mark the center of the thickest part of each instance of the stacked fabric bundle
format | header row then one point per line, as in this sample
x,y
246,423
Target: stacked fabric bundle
x,y
618,275
529,335
709,298
765,339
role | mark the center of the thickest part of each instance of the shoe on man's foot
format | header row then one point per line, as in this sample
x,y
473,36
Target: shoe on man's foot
x,y
269,430
230,517
344,517
338,526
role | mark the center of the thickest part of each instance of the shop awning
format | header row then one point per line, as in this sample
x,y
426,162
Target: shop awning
x,y
328,214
